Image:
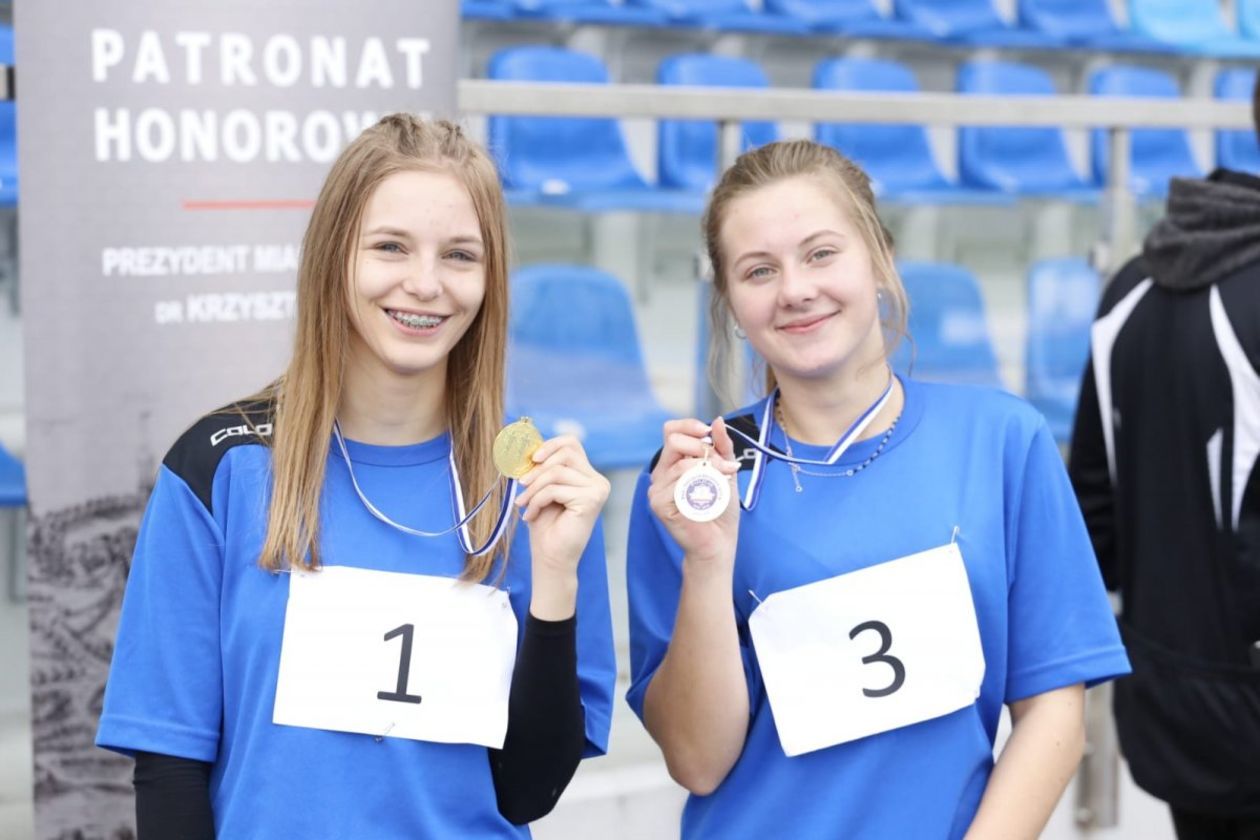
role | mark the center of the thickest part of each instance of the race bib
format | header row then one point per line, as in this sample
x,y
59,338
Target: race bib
x,y
869,651
396,655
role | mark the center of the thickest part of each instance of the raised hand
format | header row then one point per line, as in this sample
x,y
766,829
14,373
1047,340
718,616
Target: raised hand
x,y
562,498
685,445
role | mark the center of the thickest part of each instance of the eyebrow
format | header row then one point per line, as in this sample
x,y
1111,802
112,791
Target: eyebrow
x,y
386,230
804,242
399,233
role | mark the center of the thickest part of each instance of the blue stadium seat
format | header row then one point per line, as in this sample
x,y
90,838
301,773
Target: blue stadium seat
x,y
575,365
687,150
12,480
576,162
8,154
854,18
1085,23
898,158
485,10
8,130
1194,25
731,15
1062,298
1249,18
590,11
971,22
1027,161
950,335
1237,150
1157,154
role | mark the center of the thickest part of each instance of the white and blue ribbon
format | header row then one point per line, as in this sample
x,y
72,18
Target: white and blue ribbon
x,y
461,526
763,452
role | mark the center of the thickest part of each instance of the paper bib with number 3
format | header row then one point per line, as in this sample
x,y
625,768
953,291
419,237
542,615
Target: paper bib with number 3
x,y
872,650
397,655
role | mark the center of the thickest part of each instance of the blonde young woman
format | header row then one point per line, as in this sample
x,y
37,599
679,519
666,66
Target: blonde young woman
x,y
828,657
310,646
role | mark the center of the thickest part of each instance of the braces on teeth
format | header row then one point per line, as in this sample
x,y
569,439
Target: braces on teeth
x,y
418,322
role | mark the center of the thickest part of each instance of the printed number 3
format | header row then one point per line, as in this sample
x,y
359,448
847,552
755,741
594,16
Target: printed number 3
x,y
881,655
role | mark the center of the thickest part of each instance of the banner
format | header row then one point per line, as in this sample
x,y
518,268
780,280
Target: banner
x,y
169,154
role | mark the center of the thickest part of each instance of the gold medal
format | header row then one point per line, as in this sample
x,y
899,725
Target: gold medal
x,y
514,448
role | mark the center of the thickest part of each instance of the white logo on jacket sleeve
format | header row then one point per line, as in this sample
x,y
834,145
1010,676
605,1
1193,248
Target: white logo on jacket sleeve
x,y
262,430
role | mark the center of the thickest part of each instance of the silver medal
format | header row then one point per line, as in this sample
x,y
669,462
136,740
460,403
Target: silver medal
x,y
702,492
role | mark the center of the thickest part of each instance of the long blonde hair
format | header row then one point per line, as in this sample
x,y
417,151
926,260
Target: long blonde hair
x,y
307,394
852,187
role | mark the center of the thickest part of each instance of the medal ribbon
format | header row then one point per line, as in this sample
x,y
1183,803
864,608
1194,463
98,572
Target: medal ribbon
x,y
764,452
461,526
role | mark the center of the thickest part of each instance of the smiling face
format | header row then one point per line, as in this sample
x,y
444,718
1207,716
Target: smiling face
x,y
417,275
800,280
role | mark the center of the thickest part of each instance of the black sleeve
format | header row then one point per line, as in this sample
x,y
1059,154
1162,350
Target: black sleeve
x,y
546,731
172,798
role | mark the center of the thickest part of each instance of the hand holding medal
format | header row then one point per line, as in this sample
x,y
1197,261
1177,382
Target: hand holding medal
x,y
562,496
702,493
693,488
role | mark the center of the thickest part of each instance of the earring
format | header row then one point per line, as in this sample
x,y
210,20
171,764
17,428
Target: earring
x,y
739,332
879,295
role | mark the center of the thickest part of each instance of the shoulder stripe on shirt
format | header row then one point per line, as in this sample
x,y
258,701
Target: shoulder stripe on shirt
x,y
747,424
196,455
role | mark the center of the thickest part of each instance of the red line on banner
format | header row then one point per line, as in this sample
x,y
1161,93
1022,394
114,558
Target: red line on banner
x,y
260,204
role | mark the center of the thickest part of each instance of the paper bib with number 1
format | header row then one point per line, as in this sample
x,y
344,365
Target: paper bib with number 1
x,y
876,649
397,655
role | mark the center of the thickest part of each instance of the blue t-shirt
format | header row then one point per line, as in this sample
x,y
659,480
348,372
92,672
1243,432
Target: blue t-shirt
x,y
195,663
976,459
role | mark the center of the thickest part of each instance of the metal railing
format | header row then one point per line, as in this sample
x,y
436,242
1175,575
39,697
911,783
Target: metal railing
x,y
731,106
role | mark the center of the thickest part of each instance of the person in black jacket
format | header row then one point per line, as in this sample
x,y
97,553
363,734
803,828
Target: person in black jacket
x,y
1163,460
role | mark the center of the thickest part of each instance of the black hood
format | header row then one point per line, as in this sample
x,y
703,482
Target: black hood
x,y
1211,230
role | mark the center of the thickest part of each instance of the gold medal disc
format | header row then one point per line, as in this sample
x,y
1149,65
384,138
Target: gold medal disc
x,y
514,448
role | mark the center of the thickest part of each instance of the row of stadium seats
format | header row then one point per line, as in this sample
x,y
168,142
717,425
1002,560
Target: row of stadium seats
x,y
583,163
1192,27
605,398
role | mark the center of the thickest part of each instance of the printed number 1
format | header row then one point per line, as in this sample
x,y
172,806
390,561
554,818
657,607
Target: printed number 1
x,y
404,667
885,637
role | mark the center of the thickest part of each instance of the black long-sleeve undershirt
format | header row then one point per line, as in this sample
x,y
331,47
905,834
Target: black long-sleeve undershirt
x,y
172,798
545,739
546,724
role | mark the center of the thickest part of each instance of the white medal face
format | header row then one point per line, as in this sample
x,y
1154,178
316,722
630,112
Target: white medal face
x,y
702,493
396,655
876,649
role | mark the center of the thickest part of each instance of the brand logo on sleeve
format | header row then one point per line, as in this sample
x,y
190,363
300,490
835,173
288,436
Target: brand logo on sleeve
x,y
262,430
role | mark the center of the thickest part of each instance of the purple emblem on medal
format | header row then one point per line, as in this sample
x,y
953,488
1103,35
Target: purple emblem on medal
x,y
701,492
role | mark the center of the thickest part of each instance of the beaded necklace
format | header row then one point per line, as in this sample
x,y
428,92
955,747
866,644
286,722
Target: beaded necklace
x,y
848,473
